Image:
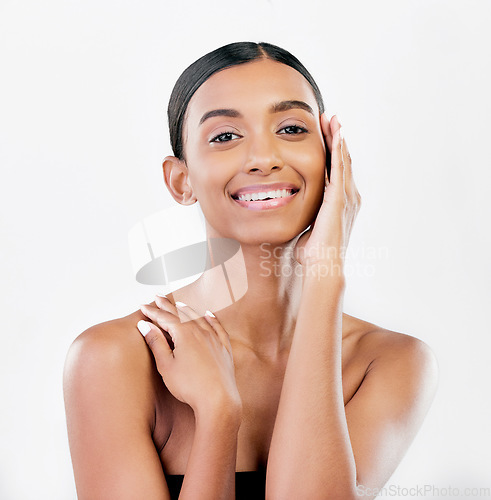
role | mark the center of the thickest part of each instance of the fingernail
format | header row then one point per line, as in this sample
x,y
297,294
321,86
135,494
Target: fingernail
x,y
209,313
161,295
337,118
143,326
341,133
180,304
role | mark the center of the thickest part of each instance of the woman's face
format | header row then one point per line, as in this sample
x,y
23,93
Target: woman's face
x,y
255,128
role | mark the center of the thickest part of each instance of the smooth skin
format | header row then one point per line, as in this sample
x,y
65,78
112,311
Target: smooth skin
x,y
280,378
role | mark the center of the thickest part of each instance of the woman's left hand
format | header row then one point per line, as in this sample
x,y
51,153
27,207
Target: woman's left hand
x,y
327,239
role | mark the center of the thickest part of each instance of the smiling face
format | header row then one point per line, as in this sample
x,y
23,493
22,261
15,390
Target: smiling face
x,y
249,129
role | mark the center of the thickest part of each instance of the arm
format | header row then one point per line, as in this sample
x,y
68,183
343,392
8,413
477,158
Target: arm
x,y
340,454
389,407
109,388
344,453
210,473
310,438
209,388
109,409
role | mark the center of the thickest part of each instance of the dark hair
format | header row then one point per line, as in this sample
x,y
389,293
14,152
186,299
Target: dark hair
x,y
224,57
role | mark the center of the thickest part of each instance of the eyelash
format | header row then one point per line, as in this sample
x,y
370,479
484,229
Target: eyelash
x,y
221,135
298,127
301,129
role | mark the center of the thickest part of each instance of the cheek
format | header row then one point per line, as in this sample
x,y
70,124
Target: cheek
x,y
320,161
310,161
209,182
212,172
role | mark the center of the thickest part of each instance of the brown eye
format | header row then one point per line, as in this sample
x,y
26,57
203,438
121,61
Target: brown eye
x,y
224,137
293,130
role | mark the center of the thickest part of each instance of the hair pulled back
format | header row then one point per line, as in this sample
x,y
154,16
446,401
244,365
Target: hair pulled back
x,y
224,57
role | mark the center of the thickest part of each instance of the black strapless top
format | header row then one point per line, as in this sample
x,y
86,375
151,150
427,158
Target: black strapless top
x,y
249,485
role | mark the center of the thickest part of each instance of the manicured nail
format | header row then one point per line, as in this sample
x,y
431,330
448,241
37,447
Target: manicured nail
x,y
180,304
161,295
143,326
209,313
341,133
337,118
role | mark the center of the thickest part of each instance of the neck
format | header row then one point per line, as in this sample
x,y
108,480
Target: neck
x,y
255,294
266,313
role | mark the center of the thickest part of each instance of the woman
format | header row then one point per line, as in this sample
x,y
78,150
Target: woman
x,y
278,393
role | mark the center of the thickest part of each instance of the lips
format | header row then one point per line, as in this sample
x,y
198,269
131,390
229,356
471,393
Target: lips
x,y
264,188
265,196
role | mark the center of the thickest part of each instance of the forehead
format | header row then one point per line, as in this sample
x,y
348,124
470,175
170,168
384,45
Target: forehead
x,y
254,85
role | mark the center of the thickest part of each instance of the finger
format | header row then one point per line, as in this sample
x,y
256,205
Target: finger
x,y
191,314
335,124
165,304
347,165
326,130
221,332
157,343
337,163
350,186
163,319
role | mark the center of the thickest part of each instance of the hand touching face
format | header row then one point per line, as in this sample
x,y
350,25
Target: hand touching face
x,y
254,128
325,243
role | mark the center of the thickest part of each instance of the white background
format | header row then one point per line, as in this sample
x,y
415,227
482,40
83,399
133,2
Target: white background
x,y
83,91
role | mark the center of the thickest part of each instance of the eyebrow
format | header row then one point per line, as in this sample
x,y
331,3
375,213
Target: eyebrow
x,y
232,113
286,105
277,107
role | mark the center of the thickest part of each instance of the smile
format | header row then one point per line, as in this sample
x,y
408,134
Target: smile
x,y
279,193
265,200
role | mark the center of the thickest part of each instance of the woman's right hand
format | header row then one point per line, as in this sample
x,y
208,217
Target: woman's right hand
x,y
199,369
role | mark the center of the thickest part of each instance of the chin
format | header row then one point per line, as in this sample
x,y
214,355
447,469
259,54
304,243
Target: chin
x,y
258,235
276,230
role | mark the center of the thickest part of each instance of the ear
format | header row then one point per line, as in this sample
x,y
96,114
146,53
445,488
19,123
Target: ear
x,y
176,177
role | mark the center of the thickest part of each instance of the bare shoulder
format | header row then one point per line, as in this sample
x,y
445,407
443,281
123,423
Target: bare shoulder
x,y
112,357
114,341
400,354
399,382
110,388
399,377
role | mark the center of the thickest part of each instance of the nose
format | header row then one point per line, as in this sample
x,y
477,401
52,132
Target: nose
x,y
263,155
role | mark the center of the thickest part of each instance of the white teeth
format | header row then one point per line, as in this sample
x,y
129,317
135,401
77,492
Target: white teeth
x,y
279,193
